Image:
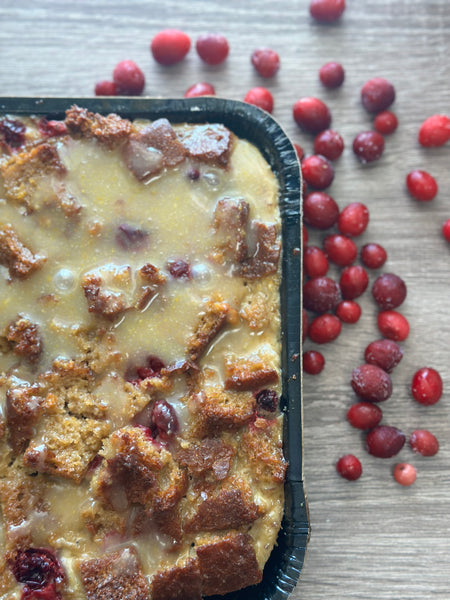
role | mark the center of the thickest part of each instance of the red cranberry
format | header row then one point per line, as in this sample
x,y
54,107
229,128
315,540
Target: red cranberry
x,y
329,143
193,174
385,354
385,122
261,97
37,568
152,368
389,291
12,132
105,88
368,146
266,401
371,383
353,282
427,386
340,249
332,75
377,94
326,11
324,329
393,325
405,474
315,262
424,442
385,441
348,311
349,467
353,219
179,269
446,230
164,418
313,362
421,185
317,171
129,237
128,78
200,89
300,152
51,128
364,415
321,294
435,131
170,46
266,62
373,256
311,114
305,324
212,48
320,210
305,236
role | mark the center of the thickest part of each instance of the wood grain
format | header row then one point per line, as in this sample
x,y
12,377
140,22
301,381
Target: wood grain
x,y
371,539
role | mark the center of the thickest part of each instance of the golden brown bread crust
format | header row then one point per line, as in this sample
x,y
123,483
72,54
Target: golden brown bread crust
x,y
110,131
208,143
25,339
19,260
178,583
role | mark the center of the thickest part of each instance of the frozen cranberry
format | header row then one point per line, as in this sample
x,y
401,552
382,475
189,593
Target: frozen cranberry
x,y
435,131
179,269
320,210
212,48
326,11
446,230
170,46
424,442
348,311
315,262
305,324
37,568
405,474
353,219
51,128
329,143
371,383
385,122
305,236
349,467
164,418
128,78
389,291
426,386
105,88
384,441
311,114
321,294
364,415
393,325
377,94
129,237
152,368
266,401
332,75
266,62
373,256
313,362
368,146
340,249
385,354
300,152
12,132
317,171
353,282
200,89
261,97
421,185
324,329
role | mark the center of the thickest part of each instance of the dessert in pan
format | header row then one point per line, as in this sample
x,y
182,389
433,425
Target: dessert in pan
x,y
141,429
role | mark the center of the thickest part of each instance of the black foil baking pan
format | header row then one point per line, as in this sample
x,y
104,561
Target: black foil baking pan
x,y
246,121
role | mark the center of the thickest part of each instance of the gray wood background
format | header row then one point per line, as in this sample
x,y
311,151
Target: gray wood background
x,y
371,539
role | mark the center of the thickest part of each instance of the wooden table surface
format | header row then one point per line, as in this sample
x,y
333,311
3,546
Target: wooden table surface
x,y
371,539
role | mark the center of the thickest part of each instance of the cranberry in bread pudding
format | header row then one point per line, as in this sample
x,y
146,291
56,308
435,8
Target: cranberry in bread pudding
x,y
140,430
